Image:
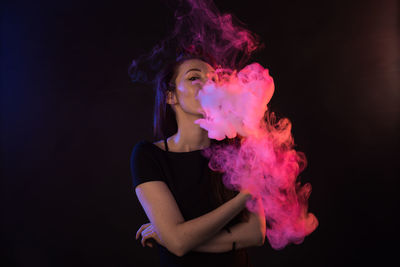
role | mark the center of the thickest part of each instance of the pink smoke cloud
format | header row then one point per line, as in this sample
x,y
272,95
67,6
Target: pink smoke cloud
x,y
265,163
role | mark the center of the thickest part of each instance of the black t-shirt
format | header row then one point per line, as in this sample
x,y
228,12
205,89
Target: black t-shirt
x,y
187,175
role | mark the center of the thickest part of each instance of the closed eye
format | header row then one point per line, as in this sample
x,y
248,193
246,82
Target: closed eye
x,y
193,78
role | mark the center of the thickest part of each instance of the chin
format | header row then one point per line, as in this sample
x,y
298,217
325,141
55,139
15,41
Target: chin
x,y
201,113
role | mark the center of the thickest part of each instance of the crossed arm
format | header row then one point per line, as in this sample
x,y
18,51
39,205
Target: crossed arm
x,y
244,234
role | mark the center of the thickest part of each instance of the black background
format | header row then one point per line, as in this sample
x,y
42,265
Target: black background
x,y
70,117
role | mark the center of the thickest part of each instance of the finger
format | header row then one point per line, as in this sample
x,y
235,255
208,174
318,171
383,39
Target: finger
x,y
144,238
147,231
147,238
151,242
141,229
151,233
148,242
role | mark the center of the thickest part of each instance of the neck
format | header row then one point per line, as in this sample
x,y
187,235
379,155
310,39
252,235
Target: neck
x,y
190,136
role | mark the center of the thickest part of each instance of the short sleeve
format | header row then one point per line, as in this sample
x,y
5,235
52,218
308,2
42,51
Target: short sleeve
x,y
144,166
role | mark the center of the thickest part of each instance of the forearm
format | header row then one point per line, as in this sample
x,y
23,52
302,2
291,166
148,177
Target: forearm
x,y
243,234
196,231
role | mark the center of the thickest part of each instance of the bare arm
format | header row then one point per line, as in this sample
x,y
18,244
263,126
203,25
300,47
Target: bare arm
x,y
196,231
245,234
178,235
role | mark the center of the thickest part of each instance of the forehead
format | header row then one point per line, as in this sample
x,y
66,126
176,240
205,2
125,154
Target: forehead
x,y
194,64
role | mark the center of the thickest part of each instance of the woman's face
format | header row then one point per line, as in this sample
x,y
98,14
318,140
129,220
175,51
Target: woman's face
x,y
191,77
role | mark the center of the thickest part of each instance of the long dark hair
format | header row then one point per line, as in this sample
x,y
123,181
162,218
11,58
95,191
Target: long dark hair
x,y
165,125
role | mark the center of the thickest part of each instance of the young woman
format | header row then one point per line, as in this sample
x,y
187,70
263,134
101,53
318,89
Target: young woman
x,y
194,219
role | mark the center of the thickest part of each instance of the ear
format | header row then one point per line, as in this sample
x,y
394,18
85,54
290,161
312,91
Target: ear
x,y
171,98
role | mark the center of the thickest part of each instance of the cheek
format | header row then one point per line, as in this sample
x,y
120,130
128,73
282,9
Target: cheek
x,y
187,96
187,89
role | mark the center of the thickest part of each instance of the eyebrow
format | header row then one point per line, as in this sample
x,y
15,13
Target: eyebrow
x,y
193,70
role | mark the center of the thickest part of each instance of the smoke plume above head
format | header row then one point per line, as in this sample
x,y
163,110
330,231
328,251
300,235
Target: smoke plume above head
x,y
216,34
235,104
200,30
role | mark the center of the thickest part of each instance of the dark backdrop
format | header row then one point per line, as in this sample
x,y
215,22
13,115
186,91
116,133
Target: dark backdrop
x,y
70,118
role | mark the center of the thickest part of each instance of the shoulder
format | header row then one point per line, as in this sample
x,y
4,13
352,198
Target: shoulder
x,y
142,144
145,143
147,147
144,154
141,147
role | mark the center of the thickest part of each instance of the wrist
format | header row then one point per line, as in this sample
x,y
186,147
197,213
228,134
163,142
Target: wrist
x,y
245,195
